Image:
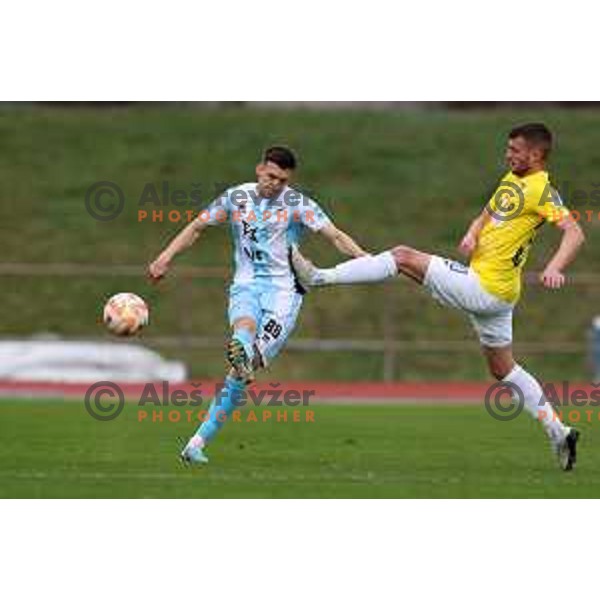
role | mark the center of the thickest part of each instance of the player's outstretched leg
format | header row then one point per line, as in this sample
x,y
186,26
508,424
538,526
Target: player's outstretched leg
x,y
360,270
220,410
527,390
366,269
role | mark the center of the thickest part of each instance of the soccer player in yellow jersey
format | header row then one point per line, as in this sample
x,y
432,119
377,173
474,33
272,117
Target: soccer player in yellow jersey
x,y
497,243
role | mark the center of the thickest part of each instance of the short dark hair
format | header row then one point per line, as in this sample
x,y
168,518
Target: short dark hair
x,y
536,134
283,157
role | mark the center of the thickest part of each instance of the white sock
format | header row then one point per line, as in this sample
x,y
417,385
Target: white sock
x,y
536,404
366,269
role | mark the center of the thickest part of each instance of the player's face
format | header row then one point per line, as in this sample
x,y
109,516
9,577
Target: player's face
x,y
521,157
272,179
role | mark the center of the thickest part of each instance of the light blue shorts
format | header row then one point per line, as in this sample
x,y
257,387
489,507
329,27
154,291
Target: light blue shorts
x,y
274,310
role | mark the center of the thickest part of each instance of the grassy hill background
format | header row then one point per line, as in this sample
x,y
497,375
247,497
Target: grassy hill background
x,y
386,177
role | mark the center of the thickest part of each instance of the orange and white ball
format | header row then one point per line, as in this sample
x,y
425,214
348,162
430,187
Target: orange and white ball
x,y
125,314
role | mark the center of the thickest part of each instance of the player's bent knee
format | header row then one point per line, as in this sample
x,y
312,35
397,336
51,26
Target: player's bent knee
x,y
500,369
403,255
411,262
499,374
245,323
500,361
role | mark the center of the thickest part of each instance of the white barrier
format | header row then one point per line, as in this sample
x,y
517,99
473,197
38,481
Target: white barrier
x,y
80,361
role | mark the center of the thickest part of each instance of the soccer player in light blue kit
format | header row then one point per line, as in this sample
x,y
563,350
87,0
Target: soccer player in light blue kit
x,y
266,219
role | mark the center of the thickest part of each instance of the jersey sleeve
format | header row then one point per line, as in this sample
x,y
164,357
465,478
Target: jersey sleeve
x,y
218,211
550,206
312,215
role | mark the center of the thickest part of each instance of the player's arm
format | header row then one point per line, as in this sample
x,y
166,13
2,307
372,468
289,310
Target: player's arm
x,y
572,240
184,239
470,240
342,241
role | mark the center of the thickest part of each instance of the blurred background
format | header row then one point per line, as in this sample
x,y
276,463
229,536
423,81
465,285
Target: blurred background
x,y
387,173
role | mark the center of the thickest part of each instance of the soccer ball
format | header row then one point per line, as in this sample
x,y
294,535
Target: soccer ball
x,y
125,314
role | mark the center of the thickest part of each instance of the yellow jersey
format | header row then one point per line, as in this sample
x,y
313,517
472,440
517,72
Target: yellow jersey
x,y
518,208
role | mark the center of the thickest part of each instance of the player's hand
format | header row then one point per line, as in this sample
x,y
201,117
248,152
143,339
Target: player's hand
x,y
552,279
158,269
467,245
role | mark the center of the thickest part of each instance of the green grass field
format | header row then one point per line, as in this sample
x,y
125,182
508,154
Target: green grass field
x,y
54,449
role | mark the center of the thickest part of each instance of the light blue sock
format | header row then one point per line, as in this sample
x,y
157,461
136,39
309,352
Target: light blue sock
x,y
246,338
222,406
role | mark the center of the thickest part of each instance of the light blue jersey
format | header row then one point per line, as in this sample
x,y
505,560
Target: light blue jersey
x,y
263,231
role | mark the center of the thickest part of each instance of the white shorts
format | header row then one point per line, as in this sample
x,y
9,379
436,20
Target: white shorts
x,y
453,284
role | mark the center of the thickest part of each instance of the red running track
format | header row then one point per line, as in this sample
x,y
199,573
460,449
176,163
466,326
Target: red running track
x,y
454,392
